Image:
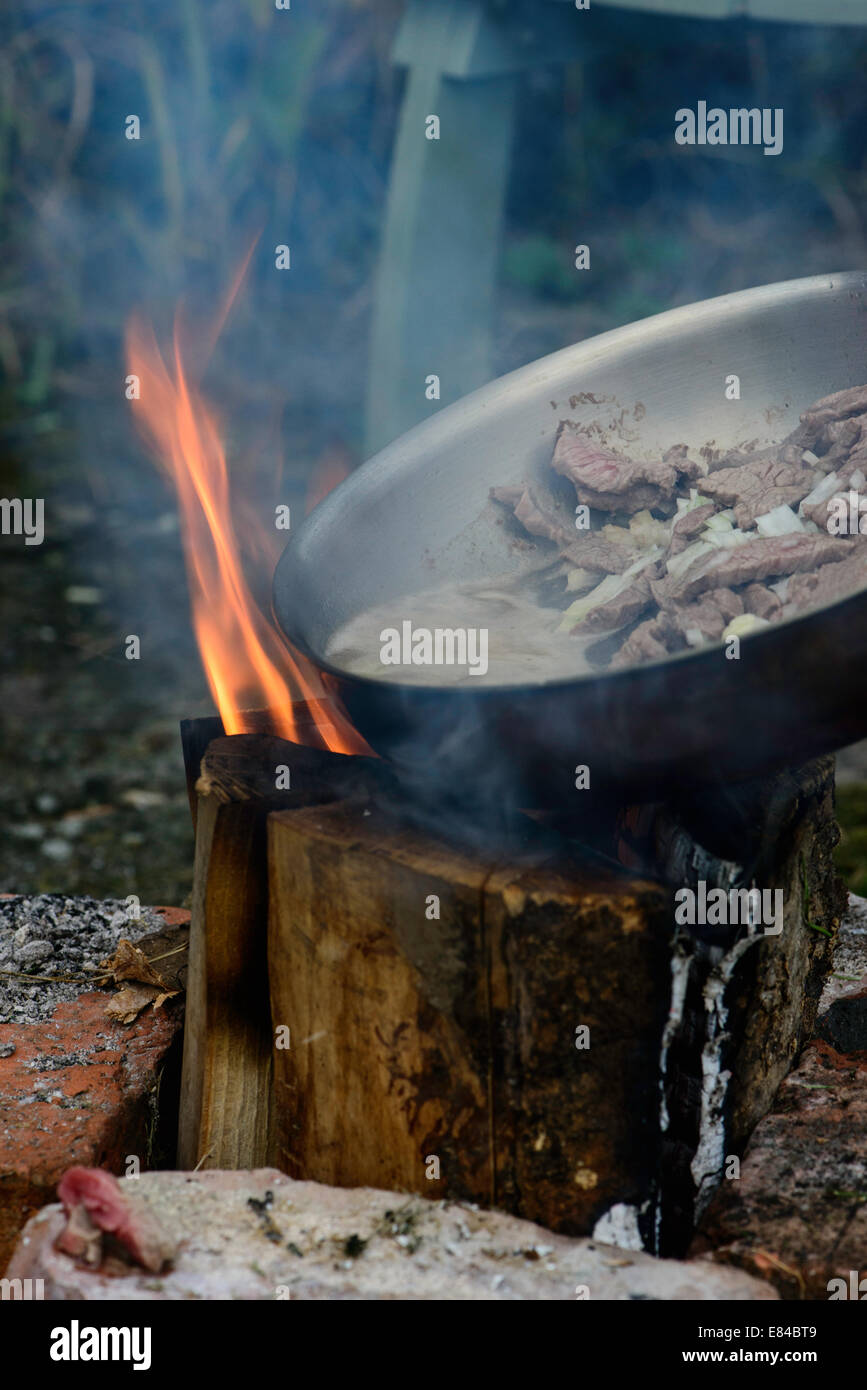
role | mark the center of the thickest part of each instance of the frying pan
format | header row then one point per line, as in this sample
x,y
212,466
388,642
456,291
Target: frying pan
x,y
418,514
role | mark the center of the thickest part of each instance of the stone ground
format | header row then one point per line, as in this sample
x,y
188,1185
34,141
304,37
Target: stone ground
x,y
796,1215
308,1241
85,1091
52,935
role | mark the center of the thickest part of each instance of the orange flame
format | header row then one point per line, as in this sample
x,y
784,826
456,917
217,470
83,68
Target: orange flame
x,y
245,661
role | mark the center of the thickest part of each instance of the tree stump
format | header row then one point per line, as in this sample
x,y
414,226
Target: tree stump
x,y
433,999
503,1026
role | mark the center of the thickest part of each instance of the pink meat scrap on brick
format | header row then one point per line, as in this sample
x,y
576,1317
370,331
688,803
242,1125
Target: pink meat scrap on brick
x,y
95,1203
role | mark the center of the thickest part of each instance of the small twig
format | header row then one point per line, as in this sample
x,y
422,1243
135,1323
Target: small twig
x,y
93,978
51,979
793,1273
202,1159
173,952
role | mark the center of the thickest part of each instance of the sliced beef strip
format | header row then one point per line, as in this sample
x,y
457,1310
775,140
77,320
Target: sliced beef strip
x,y
837,440
589,550
855,463
689,526
691,469
827,585
586,549
821,512
818,512
787,452
759,599
651,641
791,453
765,557
837,406
710,614
509,496
757,487
619,611
533,517
610,481
666,633
734,459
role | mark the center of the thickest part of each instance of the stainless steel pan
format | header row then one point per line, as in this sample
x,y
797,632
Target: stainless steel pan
x,y
418,513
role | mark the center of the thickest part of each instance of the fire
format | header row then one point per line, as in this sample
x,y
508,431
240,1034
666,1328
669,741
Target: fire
x,y
246,663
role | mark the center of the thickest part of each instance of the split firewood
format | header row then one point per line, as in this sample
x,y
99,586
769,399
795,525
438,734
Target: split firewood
x,y
226,1107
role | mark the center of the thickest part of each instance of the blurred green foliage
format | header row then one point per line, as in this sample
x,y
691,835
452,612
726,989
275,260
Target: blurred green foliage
x,y
851,853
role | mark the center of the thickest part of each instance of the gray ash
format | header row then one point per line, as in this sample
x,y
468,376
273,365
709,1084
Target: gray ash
x,y
50,934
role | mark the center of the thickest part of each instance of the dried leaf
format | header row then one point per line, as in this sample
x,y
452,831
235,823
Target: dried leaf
x,y
148,985
131,963
127,1004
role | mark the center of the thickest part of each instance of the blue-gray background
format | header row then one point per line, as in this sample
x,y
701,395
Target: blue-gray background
x,y
284,122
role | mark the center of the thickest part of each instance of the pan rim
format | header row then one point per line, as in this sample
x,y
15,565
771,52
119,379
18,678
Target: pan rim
x,y
627,337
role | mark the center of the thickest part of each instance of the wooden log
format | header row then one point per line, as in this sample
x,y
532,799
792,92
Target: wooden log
x,y
198,734
226,1111
436,998
452,1037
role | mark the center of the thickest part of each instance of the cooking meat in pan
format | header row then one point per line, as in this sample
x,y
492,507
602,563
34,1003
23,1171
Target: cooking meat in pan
x,y
654,556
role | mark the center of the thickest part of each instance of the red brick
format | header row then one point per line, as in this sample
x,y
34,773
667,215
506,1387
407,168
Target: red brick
x,y
90,1106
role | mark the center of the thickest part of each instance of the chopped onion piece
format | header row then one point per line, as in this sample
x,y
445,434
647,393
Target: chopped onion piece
x,y
821,492
689,504
579,579
643,561
610,587
725,540
857,480
781,588
744,624
720,521
679,563
809,457
779,521
647,531
694,637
